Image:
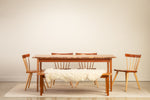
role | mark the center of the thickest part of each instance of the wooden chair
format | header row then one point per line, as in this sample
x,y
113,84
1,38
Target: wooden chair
x,y
87,65
26,61
132,62
61,65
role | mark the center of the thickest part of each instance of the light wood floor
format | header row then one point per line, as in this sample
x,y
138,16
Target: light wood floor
x,y
6,86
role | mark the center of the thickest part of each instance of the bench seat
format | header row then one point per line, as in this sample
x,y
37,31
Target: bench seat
x,y
104,75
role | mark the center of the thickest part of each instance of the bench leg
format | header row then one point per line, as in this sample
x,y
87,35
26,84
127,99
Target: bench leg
x,y
107,85
41,85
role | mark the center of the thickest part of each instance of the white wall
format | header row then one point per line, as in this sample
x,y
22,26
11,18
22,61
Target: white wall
x,y
45,26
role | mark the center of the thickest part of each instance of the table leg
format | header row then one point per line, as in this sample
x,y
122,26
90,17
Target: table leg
x,y
107,67
41,85
37,75
40,66
111,75
107,85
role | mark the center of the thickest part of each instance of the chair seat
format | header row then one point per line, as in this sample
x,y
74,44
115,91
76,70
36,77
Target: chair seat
x,y
119,70
33,71
65,68
86,68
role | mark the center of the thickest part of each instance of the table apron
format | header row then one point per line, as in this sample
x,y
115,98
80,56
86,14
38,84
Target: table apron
x,y
74,60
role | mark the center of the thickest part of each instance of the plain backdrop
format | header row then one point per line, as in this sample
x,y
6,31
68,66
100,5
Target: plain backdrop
x,y
44,26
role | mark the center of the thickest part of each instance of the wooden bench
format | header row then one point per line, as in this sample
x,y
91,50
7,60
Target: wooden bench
x,y
104,75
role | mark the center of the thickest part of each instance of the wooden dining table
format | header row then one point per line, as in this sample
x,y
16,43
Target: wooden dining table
x,y
74,58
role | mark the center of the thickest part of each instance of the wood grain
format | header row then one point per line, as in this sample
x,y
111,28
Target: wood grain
x,y
132,62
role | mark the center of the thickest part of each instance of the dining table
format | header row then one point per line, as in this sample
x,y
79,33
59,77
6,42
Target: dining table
x,y
75,58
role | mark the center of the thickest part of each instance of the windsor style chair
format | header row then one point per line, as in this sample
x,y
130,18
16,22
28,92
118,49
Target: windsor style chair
x,y
132,62
26,61
87,65
61,65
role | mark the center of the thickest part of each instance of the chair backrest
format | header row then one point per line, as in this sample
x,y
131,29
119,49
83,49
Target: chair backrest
x,y
86,65
132,61
61,53
26,61
86,53
62,65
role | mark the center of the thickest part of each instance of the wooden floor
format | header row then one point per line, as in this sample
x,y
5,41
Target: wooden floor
x,y
6,86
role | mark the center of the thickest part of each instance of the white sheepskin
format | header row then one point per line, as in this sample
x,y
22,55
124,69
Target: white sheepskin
x,y
73,74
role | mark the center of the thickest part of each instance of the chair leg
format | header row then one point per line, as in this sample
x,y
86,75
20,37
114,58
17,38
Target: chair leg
x,y
27,82
51,83
76,84
126,75
106,84
37,83
71,84
96,83
137,80
115,77
30,80
46,83
54,82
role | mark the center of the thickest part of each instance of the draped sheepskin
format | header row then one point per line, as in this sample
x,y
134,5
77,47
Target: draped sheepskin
x,y
73,74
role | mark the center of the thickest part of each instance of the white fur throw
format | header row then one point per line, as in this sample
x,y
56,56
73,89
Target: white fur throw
x,y
73,74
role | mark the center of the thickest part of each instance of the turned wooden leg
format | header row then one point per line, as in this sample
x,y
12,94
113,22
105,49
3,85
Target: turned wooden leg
x,y
127,75
137,80
115,77
76,84
27,82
